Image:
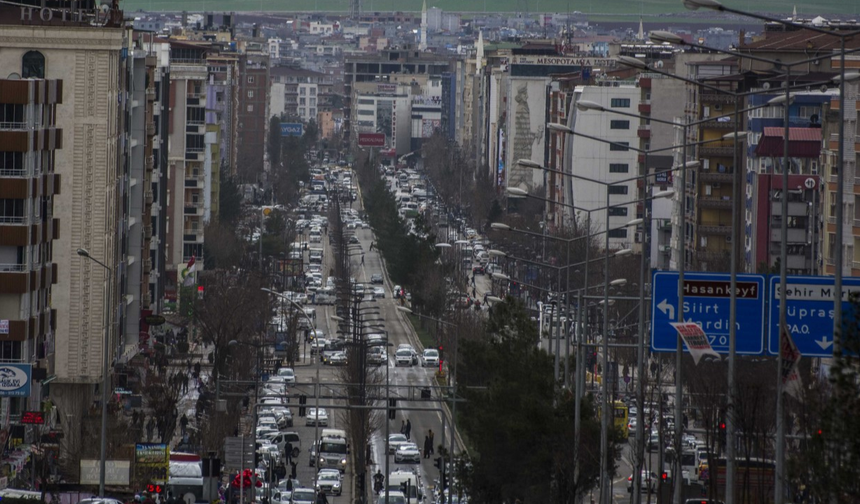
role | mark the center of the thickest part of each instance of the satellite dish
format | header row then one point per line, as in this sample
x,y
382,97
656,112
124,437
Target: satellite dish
x,y
766,85
14,76
659,64
824,88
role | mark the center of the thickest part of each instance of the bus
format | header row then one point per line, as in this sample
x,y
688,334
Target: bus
x,y
754,478
620,416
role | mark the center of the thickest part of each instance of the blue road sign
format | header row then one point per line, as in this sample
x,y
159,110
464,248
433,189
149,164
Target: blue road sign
x,y
707,300
809,313
291,129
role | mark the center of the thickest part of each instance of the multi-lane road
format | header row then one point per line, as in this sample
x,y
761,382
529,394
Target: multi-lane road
x,y
404,384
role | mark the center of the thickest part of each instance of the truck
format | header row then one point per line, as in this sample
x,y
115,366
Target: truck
x,y
332,450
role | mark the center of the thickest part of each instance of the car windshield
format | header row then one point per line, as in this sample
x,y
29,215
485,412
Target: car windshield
x,y
333,448
431,353
303,495
328,477
396,437
404,353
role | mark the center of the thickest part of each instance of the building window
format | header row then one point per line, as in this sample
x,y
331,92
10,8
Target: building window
x,y
313,91
313,102
251,93
619,146
619,124
313,112
302,91
219,96
618,167
250,108
365,112
618,233
11,210
33,65
302,111
250,79
618,211
620,103
302,101
618,189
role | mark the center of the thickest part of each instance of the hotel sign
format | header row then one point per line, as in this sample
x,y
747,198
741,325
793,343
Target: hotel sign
x,y
564,61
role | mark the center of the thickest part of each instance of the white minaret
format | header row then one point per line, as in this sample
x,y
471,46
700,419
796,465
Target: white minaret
x,y
480,50
641,34
423,45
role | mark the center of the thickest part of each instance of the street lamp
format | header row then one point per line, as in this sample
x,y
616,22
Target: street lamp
x,y
105,366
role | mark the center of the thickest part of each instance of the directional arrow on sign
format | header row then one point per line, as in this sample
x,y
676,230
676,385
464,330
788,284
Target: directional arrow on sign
x,y
667,308
823,343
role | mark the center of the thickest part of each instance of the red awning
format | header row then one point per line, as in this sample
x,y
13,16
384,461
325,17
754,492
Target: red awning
x,y
802,142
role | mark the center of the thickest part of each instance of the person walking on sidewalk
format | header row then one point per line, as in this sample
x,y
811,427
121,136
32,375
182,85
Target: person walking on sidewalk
x,y
428,447
183,422
408,429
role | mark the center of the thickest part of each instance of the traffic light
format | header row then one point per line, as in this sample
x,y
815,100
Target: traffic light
x,y
303,399
664,476
441,353
392,411
721,432
154,488
404,487
361,483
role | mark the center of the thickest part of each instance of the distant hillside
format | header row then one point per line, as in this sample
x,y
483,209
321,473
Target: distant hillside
x,y
601,8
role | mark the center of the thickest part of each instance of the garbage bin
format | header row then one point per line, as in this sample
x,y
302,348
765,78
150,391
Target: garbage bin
x,y
425,393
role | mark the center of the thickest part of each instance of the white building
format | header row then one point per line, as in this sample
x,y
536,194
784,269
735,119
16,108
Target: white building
x,y
607,161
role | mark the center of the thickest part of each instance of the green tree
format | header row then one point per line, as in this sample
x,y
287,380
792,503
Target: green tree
x,y
311,135
529,453
230,200
273,146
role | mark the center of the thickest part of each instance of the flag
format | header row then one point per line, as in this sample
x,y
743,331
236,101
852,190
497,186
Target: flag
x,y
188,276
695,339
791,381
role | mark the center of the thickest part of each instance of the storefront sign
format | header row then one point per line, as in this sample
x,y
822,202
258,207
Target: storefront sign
x,y
15,380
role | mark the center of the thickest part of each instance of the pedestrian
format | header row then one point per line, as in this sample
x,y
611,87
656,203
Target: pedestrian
x,y
288,452
185,384
428,446
403,427
408,429
474,292
371,247
321,498
362,259
183,422
485,297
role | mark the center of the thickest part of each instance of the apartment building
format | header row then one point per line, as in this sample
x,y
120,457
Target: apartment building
x,y
253,114
85,51
29,139
389,66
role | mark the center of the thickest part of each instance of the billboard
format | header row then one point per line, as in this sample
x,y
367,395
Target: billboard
x,y
151,461
15,380
371,139
117,472
291,129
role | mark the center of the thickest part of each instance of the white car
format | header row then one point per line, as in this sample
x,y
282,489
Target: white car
x,y
395,441
407,452
404,357
303,496
329,481
317,417
430,358
287,374
378,293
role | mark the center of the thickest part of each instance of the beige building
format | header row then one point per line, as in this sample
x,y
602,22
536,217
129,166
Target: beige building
x,y
87,60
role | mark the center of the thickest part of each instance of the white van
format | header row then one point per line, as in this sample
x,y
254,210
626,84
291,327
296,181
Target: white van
x,y
416,489
315,235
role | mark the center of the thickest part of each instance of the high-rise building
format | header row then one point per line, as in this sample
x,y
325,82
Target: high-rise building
x,y
29,226
85,49
253,114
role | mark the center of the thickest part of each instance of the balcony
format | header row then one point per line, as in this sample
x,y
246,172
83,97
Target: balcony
x,y
717,203
719,98
14,173
715,230
194,208
664,224
147,197
645,107
716,177
794,235
193,235
150,129
644,131
706,151
721,125
14,126
14,219
7,267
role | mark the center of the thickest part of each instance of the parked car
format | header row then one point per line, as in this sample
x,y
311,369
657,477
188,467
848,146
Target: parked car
x,y
376,278
394,442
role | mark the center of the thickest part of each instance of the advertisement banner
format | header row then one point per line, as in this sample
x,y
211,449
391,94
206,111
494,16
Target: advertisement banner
x,y
291,129
117,472
695,339
15,380
371,139
151,462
